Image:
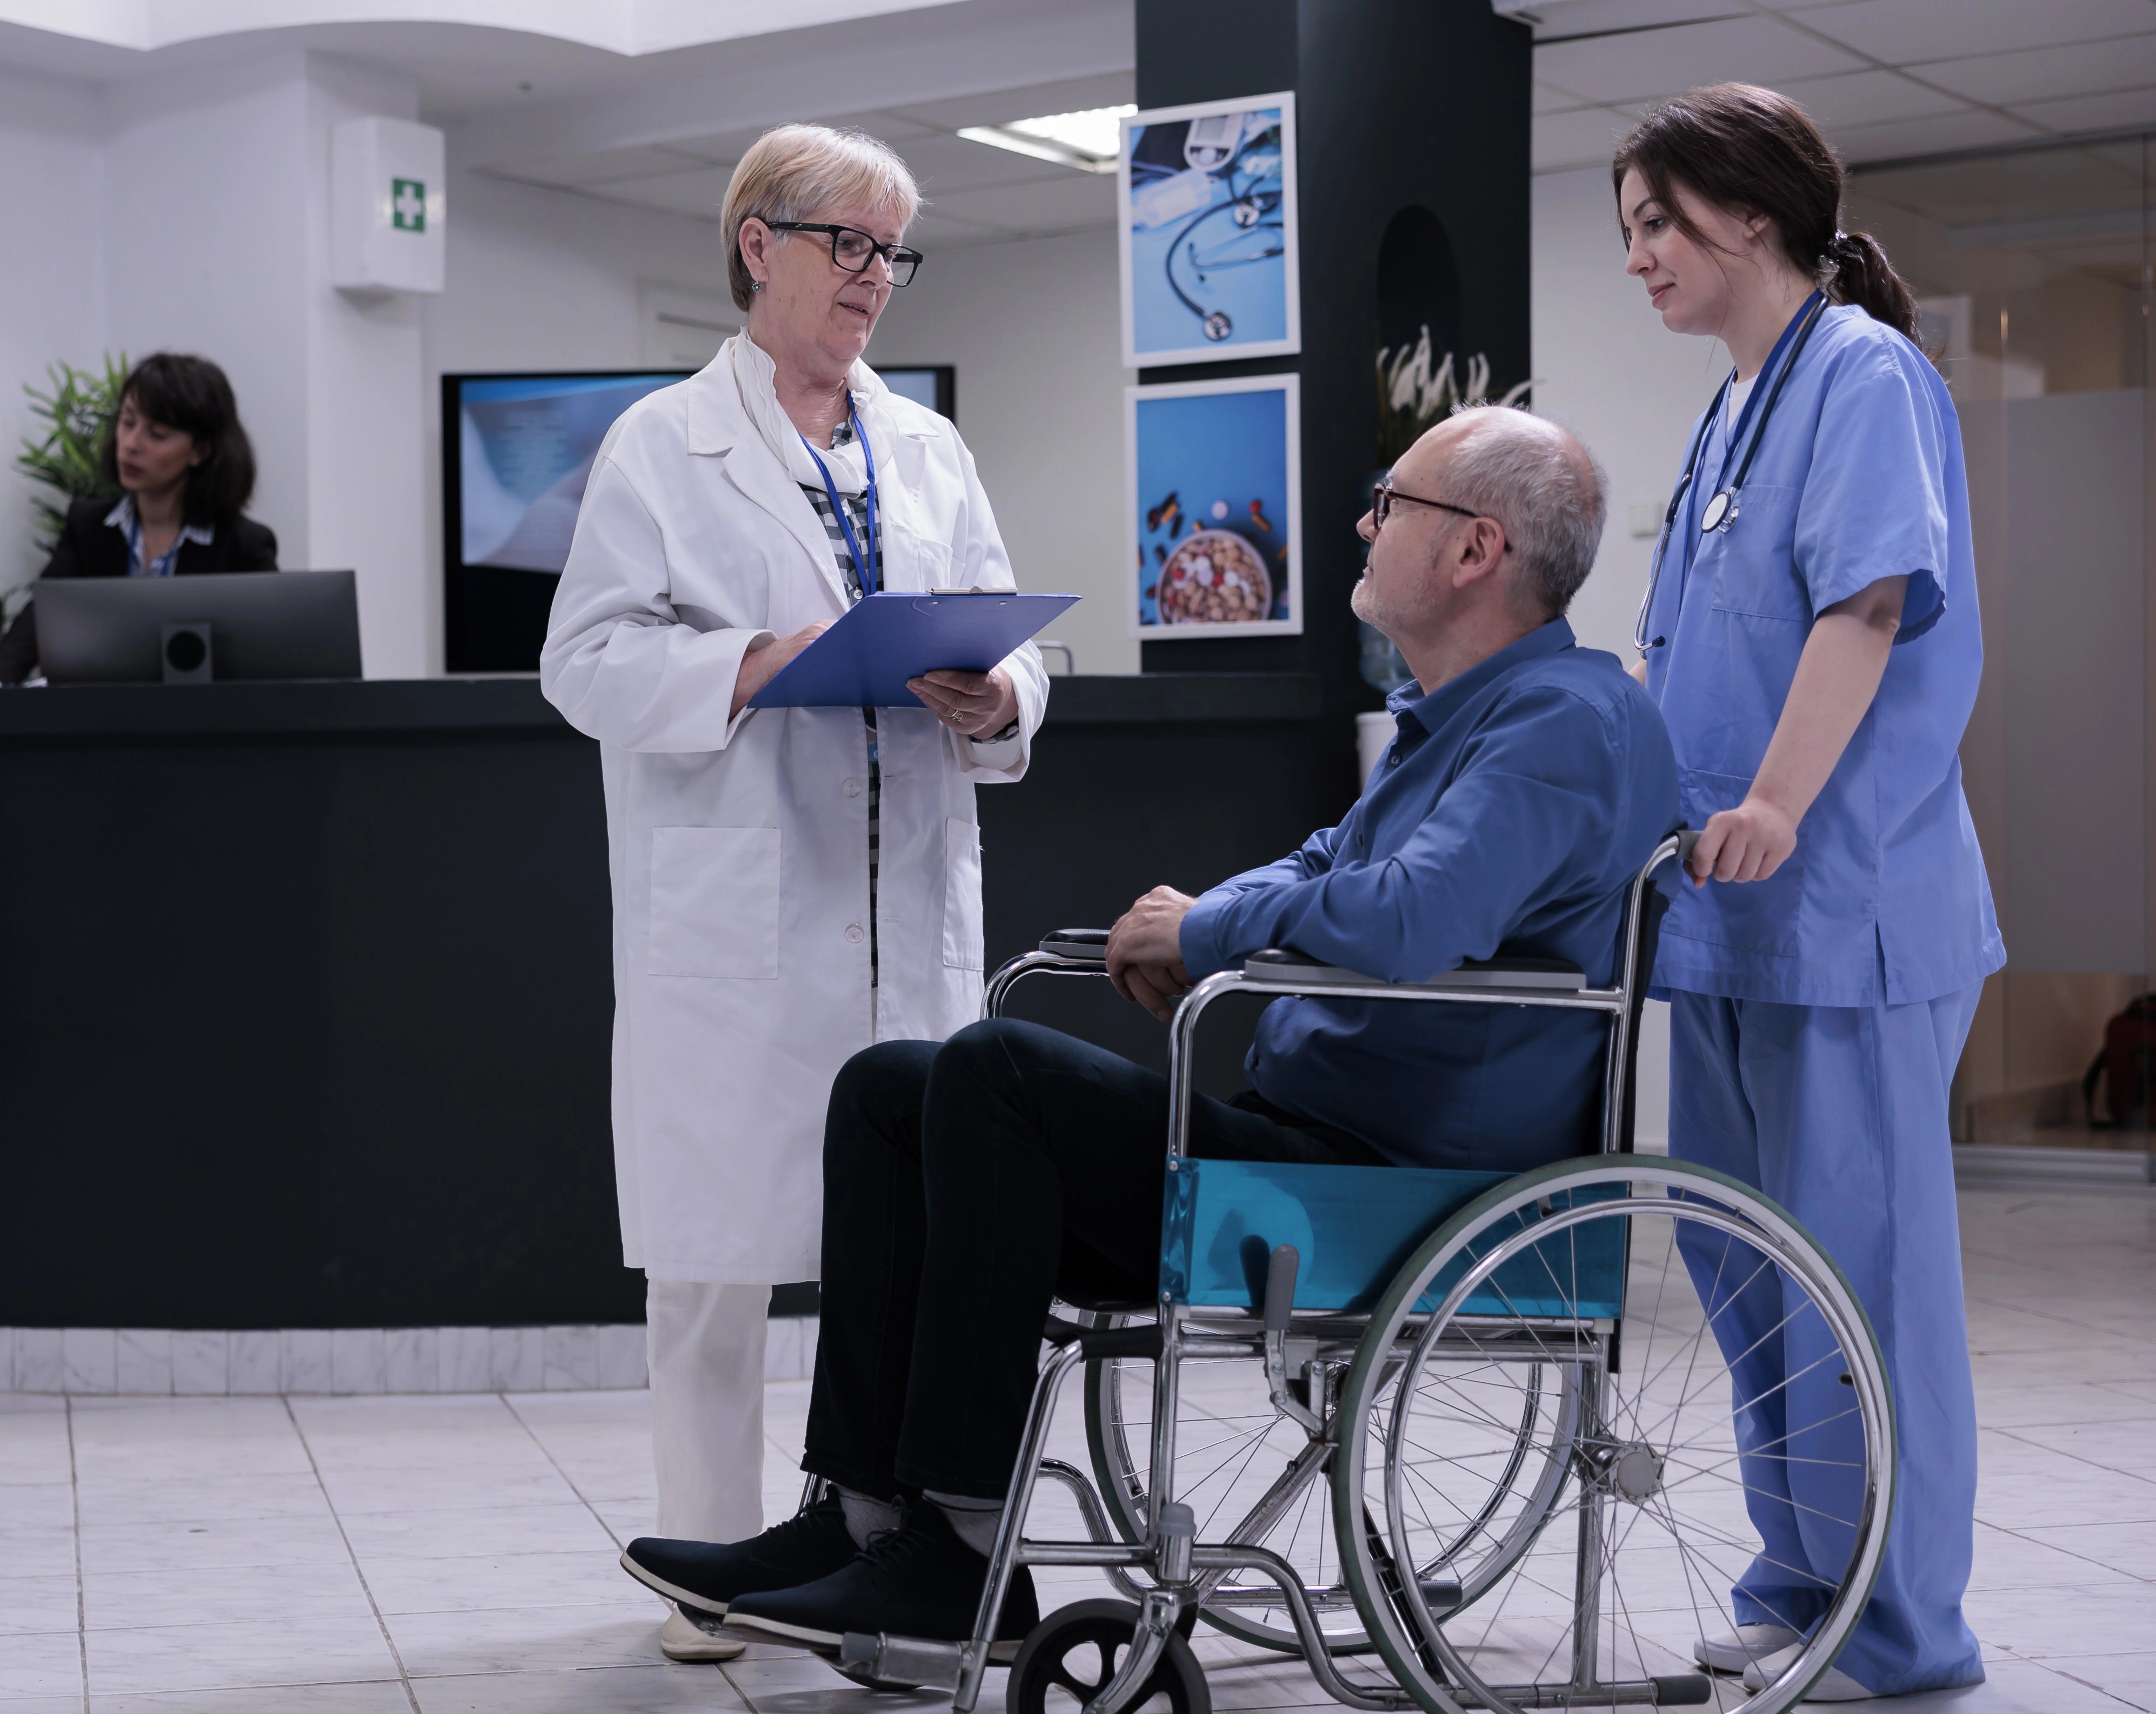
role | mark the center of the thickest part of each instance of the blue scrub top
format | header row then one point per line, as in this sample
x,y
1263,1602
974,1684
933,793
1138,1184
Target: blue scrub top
x,y
1859,477
1515,805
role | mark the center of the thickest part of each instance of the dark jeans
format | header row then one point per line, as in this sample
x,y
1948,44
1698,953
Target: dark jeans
x,y
965,1183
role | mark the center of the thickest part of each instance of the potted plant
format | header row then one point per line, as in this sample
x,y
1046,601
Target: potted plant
x,y
75,415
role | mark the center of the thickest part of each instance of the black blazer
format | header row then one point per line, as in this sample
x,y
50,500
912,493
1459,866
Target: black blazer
x,y
90,547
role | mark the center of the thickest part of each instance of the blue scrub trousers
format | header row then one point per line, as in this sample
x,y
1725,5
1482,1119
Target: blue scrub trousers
x,y
1839,1114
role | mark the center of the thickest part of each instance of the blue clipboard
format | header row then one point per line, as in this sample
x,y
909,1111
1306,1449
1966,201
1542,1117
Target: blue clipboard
x,y
865,659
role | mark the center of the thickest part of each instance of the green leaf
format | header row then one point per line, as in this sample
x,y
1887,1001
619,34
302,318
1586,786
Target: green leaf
x,y
74,414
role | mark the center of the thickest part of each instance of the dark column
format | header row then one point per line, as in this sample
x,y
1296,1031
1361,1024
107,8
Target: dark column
x,y
1412,134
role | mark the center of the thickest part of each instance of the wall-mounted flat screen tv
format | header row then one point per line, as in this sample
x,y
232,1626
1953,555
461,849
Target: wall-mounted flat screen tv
x,y
516,451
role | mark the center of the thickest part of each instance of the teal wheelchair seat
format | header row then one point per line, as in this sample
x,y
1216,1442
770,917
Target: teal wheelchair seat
x,y
1354,1228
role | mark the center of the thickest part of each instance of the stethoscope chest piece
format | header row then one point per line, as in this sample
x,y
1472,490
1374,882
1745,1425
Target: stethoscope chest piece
x,y
1720,512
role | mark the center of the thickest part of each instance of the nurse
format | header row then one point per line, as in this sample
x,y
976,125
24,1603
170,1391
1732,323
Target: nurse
x,y
1811,636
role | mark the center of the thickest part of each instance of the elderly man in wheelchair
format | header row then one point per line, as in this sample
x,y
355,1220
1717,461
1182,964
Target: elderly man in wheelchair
x,y
1401,1354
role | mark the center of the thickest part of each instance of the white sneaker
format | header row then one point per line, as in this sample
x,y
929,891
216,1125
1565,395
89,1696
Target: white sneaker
x,y
1734,1650
1836,1686
682,1638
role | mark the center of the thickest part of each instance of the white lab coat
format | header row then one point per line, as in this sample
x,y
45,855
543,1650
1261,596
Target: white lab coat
x,y
739,850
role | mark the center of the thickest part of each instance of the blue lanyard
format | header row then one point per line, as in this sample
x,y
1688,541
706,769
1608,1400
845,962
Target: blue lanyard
x,y
862,568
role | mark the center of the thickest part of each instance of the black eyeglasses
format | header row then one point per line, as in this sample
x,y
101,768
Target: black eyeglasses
x,y
854,249
1385,497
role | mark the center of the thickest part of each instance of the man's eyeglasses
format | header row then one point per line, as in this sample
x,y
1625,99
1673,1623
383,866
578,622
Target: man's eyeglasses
x,y
1385,497
854,249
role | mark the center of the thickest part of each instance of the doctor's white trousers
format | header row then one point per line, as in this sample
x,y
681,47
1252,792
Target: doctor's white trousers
x,y
706,1356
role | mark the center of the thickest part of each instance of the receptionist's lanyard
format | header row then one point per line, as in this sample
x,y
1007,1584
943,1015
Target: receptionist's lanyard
x,y
862,567
1722,509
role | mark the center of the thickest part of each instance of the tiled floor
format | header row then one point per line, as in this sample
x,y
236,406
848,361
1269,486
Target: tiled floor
x,y
447,1554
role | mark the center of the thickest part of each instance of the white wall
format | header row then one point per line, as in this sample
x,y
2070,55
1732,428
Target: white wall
x,y
1608,369
1032,329
542,280
52,271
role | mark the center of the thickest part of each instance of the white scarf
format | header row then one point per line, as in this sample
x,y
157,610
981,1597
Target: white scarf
x,y
756,375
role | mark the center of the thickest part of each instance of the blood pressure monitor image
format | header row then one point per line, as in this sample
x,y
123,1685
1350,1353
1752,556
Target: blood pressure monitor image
x,y
1206,196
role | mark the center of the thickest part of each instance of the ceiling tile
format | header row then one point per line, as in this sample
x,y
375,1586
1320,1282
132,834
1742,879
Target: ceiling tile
x,y
1925,136
1901,32
890,127
2041,74
944,163
698,193
1587,138
1000,107
1575,18
1652,63
2121,107
934,232
1551,99
1867,98
1058,205
573,171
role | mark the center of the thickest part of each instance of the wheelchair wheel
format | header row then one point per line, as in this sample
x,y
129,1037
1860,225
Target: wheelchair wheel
x,y
1070,1654
1691,1478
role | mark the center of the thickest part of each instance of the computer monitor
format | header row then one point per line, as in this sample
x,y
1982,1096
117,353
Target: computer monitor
x,y
516,451
152,630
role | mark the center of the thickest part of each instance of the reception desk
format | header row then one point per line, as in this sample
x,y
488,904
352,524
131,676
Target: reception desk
x,y
306,996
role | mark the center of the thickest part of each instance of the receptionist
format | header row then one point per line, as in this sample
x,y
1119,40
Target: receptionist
x,y
184,469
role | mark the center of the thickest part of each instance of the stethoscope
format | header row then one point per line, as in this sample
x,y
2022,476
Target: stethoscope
x,y
1721,511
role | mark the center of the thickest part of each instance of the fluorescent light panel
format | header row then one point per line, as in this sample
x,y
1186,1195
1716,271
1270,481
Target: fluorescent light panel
x,y
1089,140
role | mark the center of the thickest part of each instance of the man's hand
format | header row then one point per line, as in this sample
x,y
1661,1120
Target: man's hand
x,y
972,704
760,664
1145,952
1748,843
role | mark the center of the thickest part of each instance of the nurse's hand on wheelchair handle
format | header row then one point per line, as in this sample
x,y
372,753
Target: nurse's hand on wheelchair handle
x,y
1748,843
1145,952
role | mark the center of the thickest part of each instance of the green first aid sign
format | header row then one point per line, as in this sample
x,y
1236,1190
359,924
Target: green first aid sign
x,y
407,205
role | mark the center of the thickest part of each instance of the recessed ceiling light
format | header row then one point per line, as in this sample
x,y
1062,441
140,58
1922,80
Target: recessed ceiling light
x,y
1088,141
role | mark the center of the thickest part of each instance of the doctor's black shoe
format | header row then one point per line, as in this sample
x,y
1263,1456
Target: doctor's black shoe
x,y
918,1580
706,1576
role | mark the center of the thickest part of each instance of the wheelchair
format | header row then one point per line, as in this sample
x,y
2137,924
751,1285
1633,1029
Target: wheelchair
x,y
1459,1440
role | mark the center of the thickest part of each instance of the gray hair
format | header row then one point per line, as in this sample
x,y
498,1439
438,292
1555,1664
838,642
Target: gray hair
x,y
1536,479
792,170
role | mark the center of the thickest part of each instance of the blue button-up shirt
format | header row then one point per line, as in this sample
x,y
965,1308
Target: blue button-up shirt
x,y
1515,805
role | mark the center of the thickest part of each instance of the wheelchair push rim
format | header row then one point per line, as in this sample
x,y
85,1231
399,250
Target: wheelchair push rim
x,y
1659,1523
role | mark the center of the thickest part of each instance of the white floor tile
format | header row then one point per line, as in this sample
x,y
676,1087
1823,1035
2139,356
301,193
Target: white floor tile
x,y
201,1363
383,1696
524,1640
292,1594
44,1664
90,1359
479,1530
276,1648
665,1689
37,1604
40,1360
142,1361
189,1549
521,1580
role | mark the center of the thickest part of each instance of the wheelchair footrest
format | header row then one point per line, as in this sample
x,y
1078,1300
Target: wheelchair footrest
x,y
883,1662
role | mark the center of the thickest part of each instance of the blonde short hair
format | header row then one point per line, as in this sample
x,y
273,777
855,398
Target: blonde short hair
x,y
791,172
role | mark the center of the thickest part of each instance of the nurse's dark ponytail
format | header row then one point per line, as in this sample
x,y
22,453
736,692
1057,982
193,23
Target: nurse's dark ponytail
x,y
1750,151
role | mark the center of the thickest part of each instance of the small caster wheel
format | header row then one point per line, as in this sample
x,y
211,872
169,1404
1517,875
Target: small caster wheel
x,y
1218,325
1073,1652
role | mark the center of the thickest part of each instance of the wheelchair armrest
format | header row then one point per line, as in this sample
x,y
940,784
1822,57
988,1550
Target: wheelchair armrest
x,y
1279,963
1086,945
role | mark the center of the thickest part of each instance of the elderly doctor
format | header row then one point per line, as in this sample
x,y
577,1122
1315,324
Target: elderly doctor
x,y
790,885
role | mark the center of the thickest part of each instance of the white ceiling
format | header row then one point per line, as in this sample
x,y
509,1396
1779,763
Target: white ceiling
x,y
1886,78
974,193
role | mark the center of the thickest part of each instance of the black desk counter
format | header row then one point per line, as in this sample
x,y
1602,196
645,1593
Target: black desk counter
x,y
305,995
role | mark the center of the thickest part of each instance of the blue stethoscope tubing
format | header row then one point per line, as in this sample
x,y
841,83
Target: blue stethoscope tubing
x,y
862,566
1720,511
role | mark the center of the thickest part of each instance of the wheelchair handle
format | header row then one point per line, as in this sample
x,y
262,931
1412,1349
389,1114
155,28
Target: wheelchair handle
x,y
1688,838
1281,1270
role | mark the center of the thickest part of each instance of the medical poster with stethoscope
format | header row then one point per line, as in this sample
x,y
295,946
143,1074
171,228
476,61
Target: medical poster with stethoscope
x,y
1205,218
1213,493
